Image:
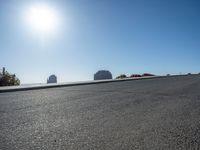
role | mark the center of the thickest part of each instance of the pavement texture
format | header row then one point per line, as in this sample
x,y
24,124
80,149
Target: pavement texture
x,y
155,114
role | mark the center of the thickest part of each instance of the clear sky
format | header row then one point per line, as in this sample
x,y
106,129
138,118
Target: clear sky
x,y
123,36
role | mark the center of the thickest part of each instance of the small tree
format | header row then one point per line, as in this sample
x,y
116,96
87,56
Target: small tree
x,y
8,80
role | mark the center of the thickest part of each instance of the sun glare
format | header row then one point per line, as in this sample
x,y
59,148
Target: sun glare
x,y
42,18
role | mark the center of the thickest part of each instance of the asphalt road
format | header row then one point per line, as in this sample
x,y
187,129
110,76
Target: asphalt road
x,y
159,113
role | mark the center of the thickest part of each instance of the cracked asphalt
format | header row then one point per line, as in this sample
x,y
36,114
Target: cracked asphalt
x,y
153,114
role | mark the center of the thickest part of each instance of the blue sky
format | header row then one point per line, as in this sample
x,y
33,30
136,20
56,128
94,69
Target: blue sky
x,y
123,36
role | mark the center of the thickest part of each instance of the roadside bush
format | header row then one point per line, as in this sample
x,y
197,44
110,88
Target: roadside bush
x,y
8,80
135,75
122,76
147,74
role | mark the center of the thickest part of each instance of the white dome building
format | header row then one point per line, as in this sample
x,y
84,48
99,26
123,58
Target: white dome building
x,y
102,75
52,79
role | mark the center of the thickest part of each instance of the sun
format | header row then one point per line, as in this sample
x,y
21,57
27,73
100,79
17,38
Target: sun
x,y
42,18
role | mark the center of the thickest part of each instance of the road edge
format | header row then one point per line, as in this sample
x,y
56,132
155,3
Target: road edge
x,y
18,88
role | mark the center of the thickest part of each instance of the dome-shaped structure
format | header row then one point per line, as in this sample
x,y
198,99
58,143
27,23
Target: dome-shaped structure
x,y
102,75
52,79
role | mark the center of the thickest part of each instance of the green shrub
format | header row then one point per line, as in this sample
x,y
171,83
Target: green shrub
x,y
8,80
122,76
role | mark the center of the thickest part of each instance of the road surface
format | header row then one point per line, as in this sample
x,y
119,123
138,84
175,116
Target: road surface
x,y
158,113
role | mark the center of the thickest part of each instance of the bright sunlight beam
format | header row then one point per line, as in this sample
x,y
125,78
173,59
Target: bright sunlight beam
x,y
42,18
